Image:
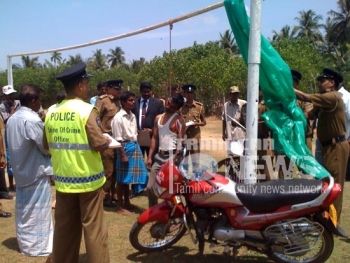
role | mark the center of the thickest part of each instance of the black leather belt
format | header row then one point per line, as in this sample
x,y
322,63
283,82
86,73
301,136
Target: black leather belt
x,y
166,152
334,140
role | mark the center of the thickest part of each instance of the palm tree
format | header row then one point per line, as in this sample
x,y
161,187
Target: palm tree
x,y
227,42
137,64
116,57
341,22
30,62
98,60
56,57
309,25
285,33
72,60
16,66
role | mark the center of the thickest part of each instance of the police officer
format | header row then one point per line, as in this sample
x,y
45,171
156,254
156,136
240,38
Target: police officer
x,y
108,105
74,140
331,126
193,113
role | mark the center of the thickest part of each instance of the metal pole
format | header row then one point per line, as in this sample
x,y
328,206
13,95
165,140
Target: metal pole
x,y
253,92
9,71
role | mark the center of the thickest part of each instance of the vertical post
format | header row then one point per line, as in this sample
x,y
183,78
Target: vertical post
x,y
9,71
253,92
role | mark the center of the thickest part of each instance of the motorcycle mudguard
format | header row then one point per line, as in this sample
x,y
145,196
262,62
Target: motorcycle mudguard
x,y
159,213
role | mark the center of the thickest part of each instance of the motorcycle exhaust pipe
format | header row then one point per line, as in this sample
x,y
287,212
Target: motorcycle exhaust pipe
x,y
228,234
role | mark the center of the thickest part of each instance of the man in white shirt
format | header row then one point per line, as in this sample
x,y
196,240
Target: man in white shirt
x,y
130,165
232,129
168,132
346,100
32,170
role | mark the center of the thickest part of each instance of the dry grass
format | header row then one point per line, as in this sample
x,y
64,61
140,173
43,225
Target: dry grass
x,y
184,251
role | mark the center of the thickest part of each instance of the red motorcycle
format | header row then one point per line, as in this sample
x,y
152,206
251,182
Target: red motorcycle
x,y
288,220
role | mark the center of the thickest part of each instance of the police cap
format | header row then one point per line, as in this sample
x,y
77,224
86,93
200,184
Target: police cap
x,y
115,83
73,73
330,74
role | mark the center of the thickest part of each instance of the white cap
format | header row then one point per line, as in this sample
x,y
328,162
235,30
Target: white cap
x,y
8,89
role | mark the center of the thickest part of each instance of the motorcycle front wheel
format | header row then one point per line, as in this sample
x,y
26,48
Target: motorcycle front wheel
x,y
156,236
320,252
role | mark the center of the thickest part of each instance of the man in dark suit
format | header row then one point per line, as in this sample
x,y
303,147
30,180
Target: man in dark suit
x,y
146,109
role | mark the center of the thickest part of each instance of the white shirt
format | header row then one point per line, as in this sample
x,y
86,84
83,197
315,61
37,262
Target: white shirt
x,y
233,110
140,112
124,126
346,100
29,159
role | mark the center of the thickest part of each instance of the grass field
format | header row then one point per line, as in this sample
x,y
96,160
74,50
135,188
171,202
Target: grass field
x,y
184,251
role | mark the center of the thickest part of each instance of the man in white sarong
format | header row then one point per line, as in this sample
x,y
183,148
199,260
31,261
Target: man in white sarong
x,y
32,170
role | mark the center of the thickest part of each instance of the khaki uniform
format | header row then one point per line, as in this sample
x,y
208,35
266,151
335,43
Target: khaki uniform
x,y
331,133
193,113
107,108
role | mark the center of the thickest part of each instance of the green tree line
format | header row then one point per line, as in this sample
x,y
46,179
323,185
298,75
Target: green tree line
x,y
308,46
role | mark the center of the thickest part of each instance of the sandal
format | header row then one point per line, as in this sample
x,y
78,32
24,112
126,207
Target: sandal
x,y
5,214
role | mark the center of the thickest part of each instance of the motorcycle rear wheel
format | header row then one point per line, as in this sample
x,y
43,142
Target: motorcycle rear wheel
x,y
155,236
325,251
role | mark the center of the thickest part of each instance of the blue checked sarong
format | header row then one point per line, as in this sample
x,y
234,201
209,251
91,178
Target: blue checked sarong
x,y
34,225
134,171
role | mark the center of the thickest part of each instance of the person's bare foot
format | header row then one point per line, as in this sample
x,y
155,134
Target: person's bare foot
x,y
5,214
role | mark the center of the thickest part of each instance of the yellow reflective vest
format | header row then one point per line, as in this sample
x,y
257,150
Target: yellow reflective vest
x,y
77,168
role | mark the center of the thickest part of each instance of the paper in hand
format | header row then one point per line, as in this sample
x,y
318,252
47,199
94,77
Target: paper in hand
x,y
114,143
190,123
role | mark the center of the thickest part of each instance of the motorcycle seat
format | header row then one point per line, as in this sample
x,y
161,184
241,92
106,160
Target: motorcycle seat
x,y
269,196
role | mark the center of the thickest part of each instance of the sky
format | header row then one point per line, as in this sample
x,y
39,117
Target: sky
x,y
32,25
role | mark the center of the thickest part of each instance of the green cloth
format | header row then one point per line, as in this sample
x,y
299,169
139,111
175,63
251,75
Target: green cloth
x,y
284,117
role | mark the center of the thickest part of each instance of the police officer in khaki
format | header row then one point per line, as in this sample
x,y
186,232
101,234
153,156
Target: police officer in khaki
x,y
193,114
75,140
331,126
108,105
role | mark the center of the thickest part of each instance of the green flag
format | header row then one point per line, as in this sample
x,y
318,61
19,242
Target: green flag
x,y
284,117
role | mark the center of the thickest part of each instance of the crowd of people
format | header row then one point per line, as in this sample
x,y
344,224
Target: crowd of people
x,y
95,153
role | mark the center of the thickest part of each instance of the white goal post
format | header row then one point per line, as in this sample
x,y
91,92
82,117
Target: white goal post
x,y
169,22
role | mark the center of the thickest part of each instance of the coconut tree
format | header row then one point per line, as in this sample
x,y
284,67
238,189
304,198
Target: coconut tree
x,y
116,57
286,32
72,60
30,62
341,22
227,42
98,60
137,64
56,58
309,25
